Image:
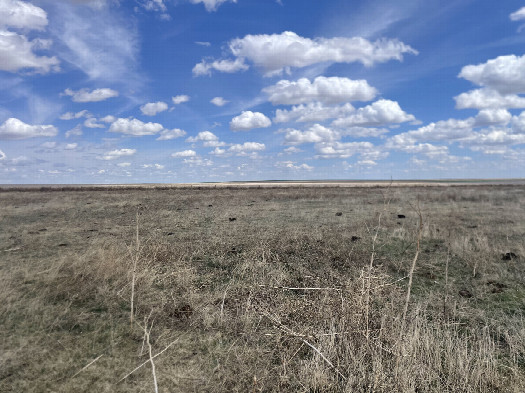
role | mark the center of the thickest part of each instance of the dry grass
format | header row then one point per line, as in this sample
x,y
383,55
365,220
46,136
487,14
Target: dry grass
x,y
288,297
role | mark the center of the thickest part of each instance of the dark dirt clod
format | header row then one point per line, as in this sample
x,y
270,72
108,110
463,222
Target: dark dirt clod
x,y
63,245
232,219
465,293
339,214
355,238
401,216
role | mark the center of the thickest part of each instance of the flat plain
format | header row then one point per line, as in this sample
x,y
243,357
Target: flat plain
x,y
263,288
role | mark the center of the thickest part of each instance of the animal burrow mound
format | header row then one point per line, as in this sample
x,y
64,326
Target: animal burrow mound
x,y
496,287
509,256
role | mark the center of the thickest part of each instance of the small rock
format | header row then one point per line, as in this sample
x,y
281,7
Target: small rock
x,y
355,238
401,216
232,219
63,245
210,205
465,293
170,234
339,214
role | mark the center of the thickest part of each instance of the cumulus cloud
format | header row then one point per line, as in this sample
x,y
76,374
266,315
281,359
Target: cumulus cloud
x,y
219,101
212,5
312,112
184,153
2,155
208,138
327,90
16,52
518,15
171,134
96,95
274,53
489,117
70,146
504,74
180,99
488,98
135,127
114,154
292,165
315,134
247,147
228,66
108,119
13,129
22,15
341,150
379,113
77,115
152,108
248,120
92,123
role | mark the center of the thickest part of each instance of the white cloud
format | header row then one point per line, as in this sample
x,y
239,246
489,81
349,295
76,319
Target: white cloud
x,y
203,43
273,53
364,132
342,150
92,123
444,130
379,113
185,153
292,165
152,108
180,99
328,90
108,119
518,15
312,112
315,134
154,5
76,131
228,66
22,15
114,154
135,127
124,164
212,5
48,145
208,138
292,150
71,115
219,101
248,120
487,98
13,129
16,53
247,147
171,134
96,95
99,41
505,74
156,166
197,161
70,146
2,155
488,117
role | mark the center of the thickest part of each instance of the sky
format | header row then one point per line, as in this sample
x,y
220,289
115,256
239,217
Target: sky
x,y
178,91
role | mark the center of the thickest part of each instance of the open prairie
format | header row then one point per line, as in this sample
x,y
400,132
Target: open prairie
x,y
263,289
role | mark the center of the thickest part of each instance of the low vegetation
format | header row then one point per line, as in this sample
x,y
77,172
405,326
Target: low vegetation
x,y
263,290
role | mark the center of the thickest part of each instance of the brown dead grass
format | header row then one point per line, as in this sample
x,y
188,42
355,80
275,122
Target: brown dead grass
x,y
281,299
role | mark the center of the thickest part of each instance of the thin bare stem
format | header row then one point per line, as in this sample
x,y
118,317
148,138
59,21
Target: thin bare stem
x,y
134,272
87,365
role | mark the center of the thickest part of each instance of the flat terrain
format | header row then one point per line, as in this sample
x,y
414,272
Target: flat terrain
x,y
263,288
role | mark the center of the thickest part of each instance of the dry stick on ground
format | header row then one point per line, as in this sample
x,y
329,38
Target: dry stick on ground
x,y
153,371
134,272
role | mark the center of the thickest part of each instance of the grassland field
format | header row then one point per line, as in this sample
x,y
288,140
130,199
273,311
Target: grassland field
x,y
412,288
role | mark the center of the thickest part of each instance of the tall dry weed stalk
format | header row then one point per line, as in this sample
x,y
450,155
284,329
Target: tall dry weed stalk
x,y
135,258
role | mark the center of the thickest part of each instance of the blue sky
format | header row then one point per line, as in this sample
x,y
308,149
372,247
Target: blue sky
x,y
149,91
